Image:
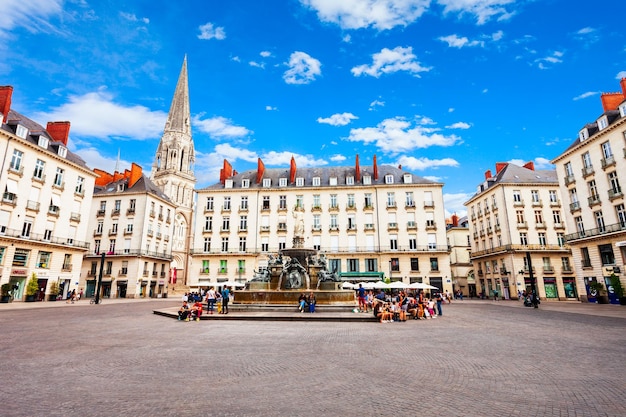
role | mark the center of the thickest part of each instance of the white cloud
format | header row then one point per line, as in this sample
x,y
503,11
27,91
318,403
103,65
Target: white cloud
x,y
458,125
235,58
91,115
397,135
33,15
284,159
347,38
391,60
220,127
376,103
302,68
433,178
337,158
454,203
543,163
620,75
208,31
356,14
270,108
482,10
257,64
94,158
421,164
265,54
586,95
133,18
555,58
338,119
455,41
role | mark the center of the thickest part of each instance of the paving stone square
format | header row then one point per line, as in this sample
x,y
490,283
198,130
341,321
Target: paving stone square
x,y
479,359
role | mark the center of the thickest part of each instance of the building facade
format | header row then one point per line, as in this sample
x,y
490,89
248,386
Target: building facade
x,y
458,236
591,173
369,222
130,223
517,232
46,199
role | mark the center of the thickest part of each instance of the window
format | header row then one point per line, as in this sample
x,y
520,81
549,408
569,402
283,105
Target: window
x,y
350,200
415,264
606,254
393,242
80,186
224,244
112,246
606,151
96,246
388,179
614,183
394,265
553,196
267,182
282,182
569,171
265,202
333,222
520,216
242,244
534,194
368,200
2,249
244,203
391,199
523,238
282,202
245,183
333,201
556,216
209,204
593,191
225,224
371,265
586,161
517,196
27,226
413,242
16,161
351,222
409,199
264,244
58,177
316,222
538,217
131,206
316,201
226,203
39,169
353,265
560,238
20,257
299,182
621,215
580,226
434,264
367,180
299,201
599,221
43,260
243,223
206,247
585,259
316,181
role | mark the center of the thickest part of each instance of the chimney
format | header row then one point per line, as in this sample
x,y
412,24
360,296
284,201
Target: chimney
x,y
5,101
455,220
104,177
59,131
487,174
500,166
292,171
226,171
530,165
357,170
375,169
260,170
135,174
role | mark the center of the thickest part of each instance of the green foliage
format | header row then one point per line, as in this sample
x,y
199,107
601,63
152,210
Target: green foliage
x,y
54,288
598,287
4,290
32,288
617,286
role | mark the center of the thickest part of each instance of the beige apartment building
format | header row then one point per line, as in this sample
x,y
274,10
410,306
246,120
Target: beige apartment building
x,y
461,268
46,198
591,174
370,223
130,229
517,232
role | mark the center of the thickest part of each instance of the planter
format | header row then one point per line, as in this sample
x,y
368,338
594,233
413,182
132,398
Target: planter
x,y
5,299
603,299
52,297
31,298
622,301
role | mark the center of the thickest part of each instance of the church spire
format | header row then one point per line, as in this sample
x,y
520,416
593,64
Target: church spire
x,y
172,169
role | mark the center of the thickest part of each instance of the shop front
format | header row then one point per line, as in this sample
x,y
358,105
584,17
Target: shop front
x,y
17,279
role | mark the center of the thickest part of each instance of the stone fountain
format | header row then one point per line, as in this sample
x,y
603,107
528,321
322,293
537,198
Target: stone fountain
x,y
294,271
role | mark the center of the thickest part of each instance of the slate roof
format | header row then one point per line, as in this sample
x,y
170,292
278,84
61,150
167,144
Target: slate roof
x,y
34,131
143,185
324,173
514,174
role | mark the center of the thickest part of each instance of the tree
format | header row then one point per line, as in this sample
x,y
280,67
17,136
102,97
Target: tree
x,y
32,288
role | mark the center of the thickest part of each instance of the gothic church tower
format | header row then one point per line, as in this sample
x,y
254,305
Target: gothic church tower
x,y
172,172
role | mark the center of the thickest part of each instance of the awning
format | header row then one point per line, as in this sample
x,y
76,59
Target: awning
x,y
361,276
56,200
12,186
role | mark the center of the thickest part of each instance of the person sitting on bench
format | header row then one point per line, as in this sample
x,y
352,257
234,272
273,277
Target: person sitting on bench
x,y
196,310
183,312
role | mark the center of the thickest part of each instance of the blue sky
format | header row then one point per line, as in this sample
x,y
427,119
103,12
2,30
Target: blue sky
x,y
445,88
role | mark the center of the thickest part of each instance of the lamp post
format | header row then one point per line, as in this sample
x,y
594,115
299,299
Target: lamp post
x,y
533,288
97,297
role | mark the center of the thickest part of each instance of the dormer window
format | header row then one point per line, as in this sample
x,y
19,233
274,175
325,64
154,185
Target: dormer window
x,y
267,182
21,131
388,179
121,187
62,151
43,141
282,182
583,134
622,110
299,182
367,180
245,183
316,181
349,180
332,181
228,183
603,122
408,178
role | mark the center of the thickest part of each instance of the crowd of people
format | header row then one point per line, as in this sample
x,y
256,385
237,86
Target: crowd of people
x,y
192,307
402,306
307,302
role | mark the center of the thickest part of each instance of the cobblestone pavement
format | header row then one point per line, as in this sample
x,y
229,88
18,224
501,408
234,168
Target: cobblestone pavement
x,y
479,359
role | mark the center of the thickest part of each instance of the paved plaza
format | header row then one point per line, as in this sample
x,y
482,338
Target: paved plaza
x,y
482,358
